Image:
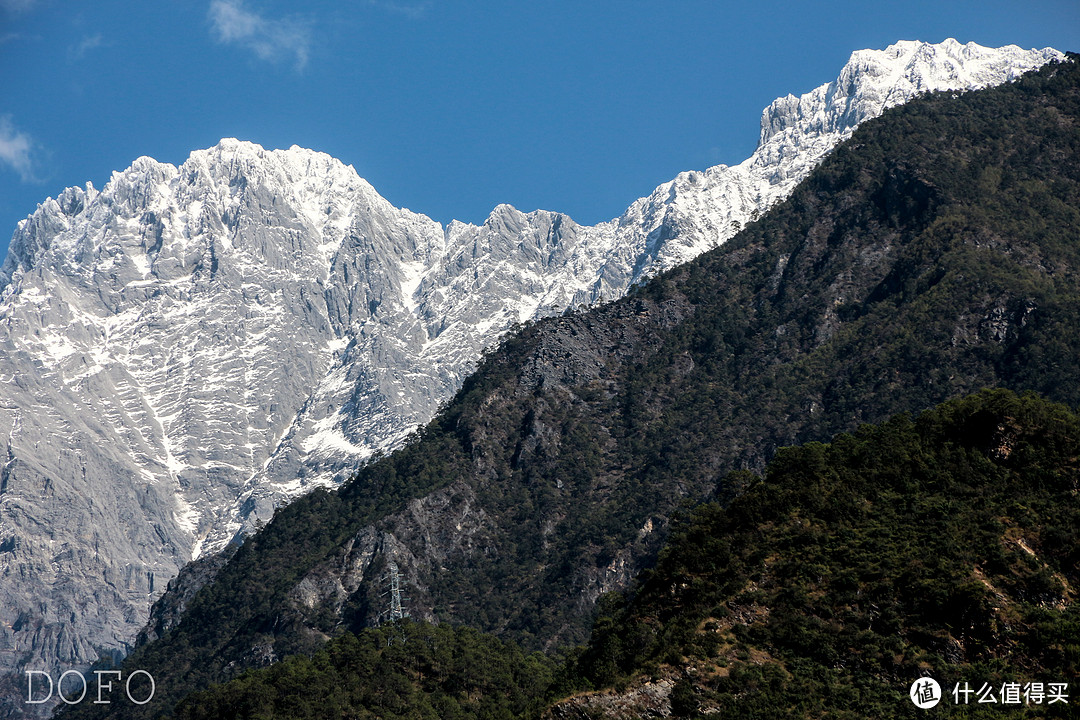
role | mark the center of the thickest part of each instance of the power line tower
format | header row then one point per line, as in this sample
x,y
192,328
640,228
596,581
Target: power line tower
x,y
393,580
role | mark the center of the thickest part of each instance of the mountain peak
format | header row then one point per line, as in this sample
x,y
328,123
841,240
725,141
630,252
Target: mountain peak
x,y
875,80
232,156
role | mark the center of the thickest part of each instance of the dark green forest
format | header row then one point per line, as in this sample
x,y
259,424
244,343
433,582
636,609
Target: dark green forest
x,y
932,255
403,670
947,546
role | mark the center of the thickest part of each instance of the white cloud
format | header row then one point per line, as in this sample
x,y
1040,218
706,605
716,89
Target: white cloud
x,y
87,44
271,40
15,149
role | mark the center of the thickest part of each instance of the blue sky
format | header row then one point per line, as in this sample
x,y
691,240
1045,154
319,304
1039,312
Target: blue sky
x,y
448,107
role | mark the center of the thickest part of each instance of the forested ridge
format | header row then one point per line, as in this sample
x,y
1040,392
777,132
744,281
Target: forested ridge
x,y
946,546
932,255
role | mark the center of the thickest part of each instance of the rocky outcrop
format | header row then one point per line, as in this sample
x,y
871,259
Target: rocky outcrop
x,y
645,698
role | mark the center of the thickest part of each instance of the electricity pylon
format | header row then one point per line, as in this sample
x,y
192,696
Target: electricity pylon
x,y
393,579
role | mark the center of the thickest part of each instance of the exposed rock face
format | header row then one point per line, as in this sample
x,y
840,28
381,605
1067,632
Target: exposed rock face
x,y
446,525
645,699
192,346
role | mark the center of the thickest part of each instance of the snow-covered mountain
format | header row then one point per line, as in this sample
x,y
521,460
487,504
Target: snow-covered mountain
x,y
192,346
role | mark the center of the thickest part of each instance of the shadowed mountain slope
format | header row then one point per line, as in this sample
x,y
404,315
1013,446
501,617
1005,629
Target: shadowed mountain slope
x,y
944,546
